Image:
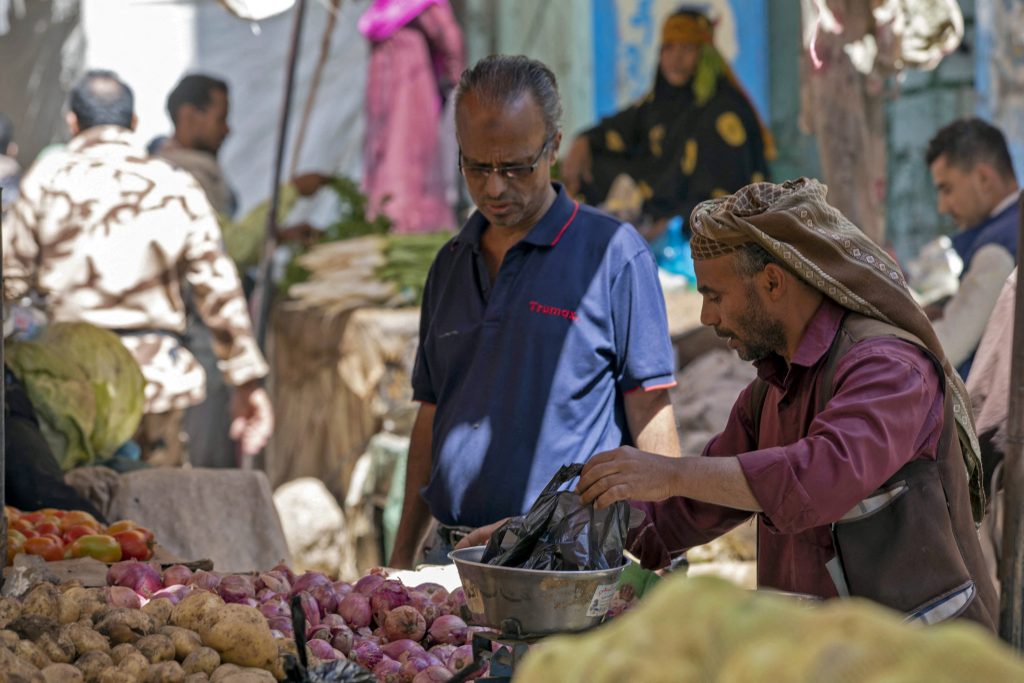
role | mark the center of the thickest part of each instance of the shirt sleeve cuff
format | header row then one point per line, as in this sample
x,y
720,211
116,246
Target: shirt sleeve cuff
x,y
651,384
785,503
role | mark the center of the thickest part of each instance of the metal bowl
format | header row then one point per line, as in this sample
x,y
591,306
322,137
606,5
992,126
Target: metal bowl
x,y
533,602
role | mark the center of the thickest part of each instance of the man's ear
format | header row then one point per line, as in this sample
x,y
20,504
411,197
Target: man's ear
x,y
555,143
774,281
72,122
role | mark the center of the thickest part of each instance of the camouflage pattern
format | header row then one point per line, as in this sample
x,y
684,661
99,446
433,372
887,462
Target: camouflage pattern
x,y
110,236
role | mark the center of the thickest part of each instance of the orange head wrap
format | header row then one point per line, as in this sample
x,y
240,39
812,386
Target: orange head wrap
x,y
687,28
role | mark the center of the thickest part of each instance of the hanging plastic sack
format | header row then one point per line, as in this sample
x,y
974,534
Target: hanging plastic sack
x,y
560,533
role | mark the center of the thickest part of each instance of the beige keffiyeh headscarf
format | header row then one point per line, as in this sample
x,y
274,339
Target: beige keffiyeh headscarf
x,y
793,222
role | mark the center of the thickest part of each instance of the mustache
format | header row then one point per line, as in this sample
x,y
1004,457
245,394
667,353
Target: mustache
x,y
723,333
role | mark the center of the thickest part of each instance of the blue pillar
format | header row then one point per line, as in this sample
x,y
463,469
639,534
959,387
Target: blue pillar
x,y
752,62
606,53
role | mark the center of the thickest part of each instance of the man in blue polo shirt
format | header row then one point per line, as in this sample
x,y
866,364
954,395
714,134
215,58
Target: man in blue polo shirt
x,y
543,336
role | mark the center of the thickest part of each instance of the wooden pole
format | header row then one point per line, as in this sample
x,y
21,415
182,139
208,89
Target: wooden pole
x,y
264,292
1011,563
3,416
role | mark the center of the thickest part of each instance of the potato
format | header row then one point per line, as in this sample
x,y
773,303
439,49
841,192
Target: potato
x,y
62,673
249,675
68,585
41,600
91,602
117,675
93,664
31,626
241,636
222,671
202,660
124,625
10,609
58,647
197,678
8,639
68,608
86,640
185,642
164,672
156,648
196,610
14,668
121,651
135,664
160,609
32,654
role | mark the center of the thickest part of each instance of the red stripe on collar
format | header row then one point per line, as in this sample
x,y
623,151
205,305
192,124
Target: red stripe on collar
x,y
575,210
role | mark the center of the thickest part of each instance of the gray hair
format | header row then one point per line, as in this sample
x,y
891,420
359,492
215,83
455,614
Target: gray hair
x,y
500,80
752,258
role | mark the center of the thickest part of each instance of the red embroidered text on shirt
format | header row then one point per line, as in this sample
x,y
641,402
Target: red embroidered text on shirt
x,y
537,307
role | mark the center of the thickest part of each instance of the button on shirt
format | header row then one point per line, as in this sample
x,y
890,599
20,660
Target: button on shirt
x,y
528,372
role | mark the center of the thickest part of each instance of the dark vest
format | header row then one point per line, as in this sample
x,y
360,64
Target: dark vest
x,y
912,544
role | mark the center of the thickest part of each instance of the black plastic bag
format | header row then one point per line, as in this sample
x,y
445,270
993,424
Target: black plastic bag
x,y
560,533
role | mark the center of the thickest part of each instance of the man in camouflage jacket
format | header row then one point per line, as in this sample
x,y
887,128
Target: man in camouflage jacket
x,y
109,236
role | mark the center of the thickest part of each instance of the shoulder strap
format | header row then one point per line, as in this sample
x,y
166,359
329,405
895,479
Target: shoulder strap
x,y
758,392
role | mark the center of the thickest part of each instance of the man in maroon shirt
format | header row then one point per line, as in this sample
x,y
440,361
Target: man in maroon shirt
x,y
851,446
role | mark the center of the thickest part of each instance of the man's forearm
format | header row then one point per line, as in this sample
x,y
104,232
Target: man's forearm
x,y
415,515
651,422
719,481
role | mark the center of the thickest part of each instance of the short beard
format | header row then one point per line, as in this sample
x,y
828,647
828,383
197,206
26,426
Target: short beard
x,y
763,334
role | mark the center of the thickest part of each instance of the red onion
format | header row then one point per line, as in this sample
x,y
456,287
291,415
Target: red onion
x,y
415,664
405,622
120,596
275,581
457,600
178,575
396,648
333,621
206,581
342,639
173,593
275,608
368,583
141,577
355,610
443,652
448,629
343,588
283,624
388,671
367,654
277,634
309,581
326,598
460,658
237,588
285,571
310,609
386,597
432,588
266,595
422,602
432,674
321,649
319,632
365,632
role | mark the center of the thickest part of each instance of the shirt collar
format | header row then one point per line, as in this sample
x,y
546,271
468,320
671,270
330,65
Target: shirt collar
x,y
545,233
1007,202
103,135
817,340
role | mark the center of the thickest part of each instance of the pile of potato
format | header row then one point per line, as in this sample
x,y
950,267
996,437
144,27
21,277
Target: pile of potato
x,y
69,633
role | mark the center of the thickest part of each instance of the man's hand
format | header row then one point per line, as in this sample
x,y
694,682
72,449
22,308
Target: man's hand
x,y
479,536
252,418
309,183
627,474
577,167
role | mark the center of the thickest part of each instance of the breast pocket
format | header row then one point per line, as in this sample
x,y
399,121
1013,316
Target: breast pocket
x,y
450,351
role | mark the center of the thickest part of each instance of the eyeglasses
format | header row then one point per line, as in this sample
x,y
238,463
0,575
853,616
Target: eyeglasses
x,y
478,172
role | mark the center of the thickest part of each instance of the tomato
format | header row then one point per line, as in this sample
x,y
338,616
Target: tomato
x,y
98,546
31,533
33,517
76,517
22,525
135,545
74,533
49,548
53,512
15,544
44,528
122,525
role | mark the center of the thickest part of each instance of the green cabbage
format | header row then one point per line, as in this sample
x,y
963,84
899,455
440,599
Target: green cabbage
x,y
87,390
